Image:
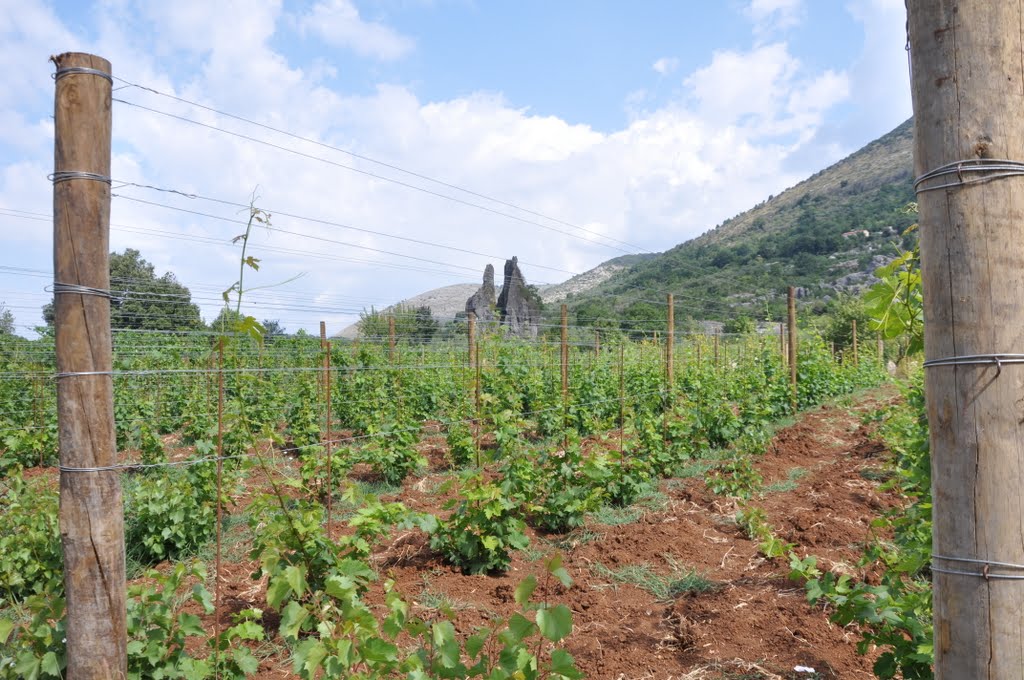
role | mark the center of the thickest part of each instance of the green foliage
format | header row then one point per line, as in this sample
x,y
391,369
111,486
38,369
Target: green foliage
x,y
482,529
158,634
896,303
415,325
461,446
392,453
894,614
31,561
755,525
171,512
303,417
736,478
145,300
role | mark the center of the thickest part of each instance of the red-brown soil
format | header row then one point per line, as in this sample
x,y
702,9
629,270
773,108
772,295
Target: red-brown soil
x,y
754,623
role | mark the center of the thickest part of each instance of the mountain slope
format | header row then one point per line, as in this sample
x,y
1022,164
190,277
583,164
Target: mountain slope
x,y
811,236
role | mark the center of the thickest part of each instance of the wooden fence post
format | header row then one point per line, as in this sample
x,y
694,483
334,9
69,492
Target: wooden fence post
x,y
391,338
91,516
565,376
325,346
791,308
670,340
856,359
966,88
471,337
880,349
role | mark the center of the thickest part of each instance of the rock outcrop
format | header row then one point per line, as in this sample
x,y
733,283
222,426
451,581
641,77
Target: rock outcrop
x,y
482,302
519,310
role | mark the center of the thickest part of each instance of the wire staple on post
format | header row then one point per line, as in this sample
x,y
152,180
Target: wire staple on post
x,y
998,169
65,175
986,568
75,289
83,70
977,359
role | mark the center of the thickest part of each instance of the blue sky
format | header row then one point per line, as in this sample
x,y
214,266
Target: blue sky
x,y
646,122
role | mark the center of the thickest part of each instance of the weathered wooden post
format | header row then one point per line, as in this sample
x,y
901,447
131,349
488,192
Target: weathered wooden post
x,y
565,376
325,345
91,516
791,308
471,335
670,340
967,77
856,359
391,338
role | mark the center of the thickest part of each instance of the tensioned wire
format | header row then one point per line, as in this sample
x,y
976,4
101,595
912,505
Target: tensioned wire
x,y
407,185
354,438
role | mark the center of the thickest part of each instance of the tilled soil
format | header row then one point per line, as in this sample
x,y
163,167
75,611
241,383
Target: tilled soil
x,y
749,622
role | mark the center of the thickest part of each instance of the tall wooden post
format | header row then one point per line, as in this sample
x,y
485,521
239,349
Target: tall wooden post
x,y
791,308
670,341
856,359
565,375
880,349
716,350
622,397
325,346
597,343
91,517
391,338
471,336
967,77
320,376
782,343
476,412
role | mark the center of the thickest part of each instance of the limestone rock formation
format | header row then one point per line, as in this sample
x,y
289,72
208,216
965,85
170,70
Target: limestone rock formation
x,y
482,302
519,310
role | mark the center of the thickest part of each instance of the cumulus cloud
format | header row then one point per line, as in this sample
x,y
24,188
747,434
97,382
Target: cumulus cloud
x,y
667,175
338,23
770,16
665,65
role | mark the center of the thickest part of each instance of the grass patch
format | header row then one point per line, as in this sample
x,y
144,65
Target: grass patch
x,y
612,516
532,553
575,539
376,488
874,474
787,484
693,468
662,587
432,600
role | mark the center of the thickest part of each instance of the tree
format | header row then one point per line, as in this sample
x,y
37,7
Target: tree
x,y
842,311
643,319
740,325
6,320
272,328
414,324
142,300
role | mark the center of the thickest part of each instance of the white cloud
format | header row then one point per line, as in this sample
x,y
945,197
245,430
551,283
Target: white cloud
x,y
669,174
337,22
774,15
665,65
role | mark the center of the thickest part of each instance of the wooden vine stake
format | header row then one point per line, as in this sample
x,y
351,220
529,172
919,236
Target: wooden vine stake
x,y
670,373
91,516
325,346
565,377
791,308
856,359
391,338
220,508
967,77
